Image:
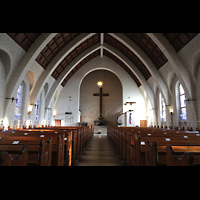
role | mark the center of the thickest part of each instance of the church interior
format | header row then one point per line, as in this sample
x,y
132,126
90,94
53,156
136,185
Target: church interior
x,y
149,80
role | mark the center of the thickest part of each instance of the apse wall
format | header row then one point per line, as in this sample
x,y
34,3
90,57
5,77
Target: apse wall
x,y
73,86
90,105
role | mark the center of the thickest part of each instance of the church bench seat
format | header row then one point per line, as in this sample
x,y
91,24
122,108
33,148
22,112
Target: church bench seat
x,y
81,137
155,130
176,156
5,159
124,142
17,158
152,155
74,142
37,135
185,159
58,146
38,151
45,155
179,145
179,149
36,146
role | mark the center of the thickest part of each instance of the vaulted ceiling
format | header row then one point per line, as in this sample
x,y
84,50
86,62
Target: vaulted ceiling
x,y
147,45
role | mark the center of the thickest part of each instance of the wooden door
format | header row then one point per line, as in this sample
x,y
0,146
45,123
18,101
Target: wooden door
x,y
143,123
57,122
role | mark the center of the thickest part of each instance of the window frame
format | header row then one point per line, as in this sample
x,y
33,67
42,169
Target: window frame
x,y
21,93
180,104
163,116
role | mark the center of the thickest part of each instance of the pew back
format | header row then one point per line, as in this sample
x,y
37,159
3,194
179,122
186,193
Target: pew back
x,y
185,159
151,154
151,150
70,140
45,152
16,158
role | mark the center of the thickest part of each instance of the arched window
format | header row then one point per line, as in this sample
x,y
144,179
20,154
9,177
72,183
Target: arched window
x,y
38,108
18,108
162,109
183,115
49,115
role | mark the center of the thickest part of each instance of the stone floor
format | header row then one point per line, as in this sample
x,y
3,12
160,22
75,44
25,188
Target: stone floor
x,y
99,151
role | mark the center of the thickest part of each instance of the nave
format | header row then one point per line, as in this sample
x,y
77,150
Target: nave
x,y
99,151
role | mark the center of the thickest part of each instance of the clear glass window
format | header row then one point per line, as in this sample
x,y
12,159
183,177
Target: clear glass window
x,y
183,113
19,102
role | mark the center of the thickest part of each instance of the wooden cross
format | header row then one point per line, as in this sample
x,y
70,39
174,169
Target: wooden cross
x,y
100,95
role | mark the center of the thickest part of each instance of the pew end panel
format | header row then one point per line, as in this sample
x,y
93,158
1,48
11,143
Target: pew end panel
x,y
5,159
45,153
185,159
151,154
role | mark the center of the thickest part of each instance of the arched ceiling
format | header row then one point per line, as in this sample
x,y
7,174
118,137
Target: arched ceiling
x,y
147,45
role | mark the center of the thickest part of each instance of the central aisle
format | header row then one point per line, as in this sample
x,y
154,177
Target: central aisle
x,y
99,151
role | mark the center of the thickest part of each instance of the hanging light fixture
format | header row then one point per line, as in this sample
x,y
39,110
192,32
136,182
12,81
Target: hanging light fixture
x,y
100,84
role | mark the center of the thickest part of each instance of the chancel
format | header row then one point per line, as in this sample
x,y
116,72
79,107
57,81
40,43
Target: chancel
x,y
148,100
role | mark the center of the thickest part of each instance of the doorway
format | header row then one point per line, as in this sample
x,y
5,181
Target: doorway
x,y
143,123
57,122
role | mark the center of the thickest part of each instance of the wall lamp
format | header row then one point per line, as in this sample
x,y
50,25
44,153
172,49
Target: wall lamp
x,y
190,100
34,105
12,99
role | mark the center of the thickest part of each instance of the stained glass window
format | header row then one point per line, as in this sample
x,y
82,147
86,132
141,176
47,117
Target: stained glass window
x,y
19,102
37,109
183,114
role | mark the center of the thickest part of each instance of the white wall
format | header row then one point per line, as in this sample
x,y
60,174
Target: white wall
x,y
11,55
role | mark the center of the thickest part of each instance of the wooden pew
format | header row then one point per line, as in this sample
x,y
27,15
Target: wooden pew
x,y
56,158
58,145
80,138
58,139
138,158
172,159
179,145
39,152
180,140
45,154
5,159
20,159
151,154
75,142
185,159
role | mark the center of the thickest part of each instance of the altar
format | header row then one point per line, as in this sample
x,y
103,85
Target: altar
x,y
101,122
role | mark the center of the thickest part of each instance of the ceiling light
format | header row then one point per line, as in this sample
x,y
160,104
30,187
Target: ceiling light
x,y
100,84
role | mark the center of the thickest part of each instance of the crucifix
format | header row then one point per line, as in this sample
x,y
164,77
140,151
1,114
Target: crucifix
x,y
100,95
